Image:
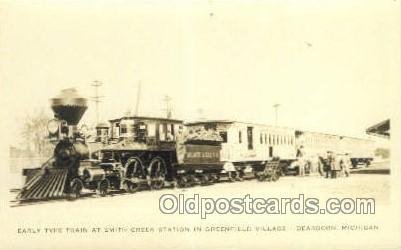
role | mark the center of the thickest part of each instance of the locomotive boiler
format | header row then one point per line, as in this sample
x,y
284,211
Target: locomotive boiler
x,y
59,176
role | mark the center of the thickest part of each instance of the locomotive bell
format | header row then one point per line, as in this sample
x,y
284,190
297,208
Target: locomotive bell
x,y
69,106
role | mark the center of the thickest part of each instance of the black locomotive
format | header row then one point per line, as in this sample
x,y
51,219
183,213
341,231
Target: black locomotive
x,y
60,176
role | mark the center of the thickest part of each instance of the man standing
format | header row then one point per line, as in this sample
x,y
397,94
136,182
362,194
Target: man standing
x,y
335,166
321,165
346,164
301,160
330,165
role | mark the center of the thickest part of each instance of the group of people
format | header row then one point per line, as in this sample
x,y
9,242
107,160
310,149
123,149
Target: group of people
x,y
332,166
336,165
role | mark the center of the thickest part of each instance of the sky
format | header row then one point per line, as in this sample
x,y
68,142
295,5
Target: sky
x,y
333,66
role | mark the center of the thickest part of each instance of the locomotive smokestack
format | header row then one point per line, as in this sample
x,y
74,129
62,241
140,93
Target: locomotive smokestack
x,y
69,106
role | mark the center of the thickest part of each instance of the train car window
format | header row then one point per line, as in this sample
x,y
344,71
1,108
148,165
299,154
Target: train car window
x,y
116,130
139,131
250,137
176,128
162,132
270,139
151,130
168,128
131,129
261,138
123,129
265,138
239,136
223,136
170,132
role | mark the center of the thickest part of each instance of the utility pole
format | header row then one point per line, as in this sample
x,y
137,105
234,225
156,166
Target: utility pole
x,y
137,75
138,97
169,111
97,99
276,106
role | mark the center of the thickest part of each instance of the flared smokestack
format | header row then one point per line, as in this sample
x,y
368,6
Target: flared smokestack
x,y
69,106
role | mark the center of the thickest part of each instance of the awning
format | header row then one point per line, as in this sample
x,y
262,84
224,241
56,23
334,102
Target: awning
x,y
380,129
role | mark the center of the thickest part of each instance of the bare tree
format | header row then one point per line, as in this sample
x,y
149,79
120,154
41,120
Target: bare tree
x,y
34,132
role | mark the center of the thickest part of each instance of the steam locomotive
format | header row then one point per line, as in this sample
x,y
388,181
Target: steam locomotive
x,y
60,174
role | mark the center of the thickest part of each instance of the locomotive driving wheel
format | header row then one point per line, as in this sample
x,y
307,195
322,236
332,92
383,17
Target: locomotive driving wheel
x,y
134,168
157,172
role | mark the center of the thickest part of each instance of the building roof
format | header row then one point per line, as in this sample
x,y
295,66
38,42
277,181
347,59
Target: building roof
x,y
380,129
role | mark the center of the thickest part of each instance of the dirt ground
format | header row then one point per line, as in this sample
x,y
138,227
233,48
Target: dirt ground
x,y
135,219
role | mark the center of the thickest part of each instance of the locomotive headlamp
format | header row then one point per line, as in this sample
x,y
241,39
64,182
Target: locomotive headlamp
x,y
53,126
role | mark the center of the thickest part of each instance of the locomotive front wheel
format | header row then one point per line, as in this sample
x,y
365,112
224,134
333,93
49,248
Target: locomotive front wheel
x,y
76,187
103,187
130,187
158,173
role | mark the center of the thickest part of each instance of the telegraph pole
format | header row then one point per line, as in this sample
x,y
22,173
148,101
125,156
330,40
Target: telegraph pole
x,y
276,106
138,97
97,99
169,111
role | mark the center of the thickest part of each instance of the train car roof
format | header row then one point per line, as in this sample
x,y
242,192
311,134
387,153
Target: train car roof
x,y
146,118
233,121
208,121
273,126
333,135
